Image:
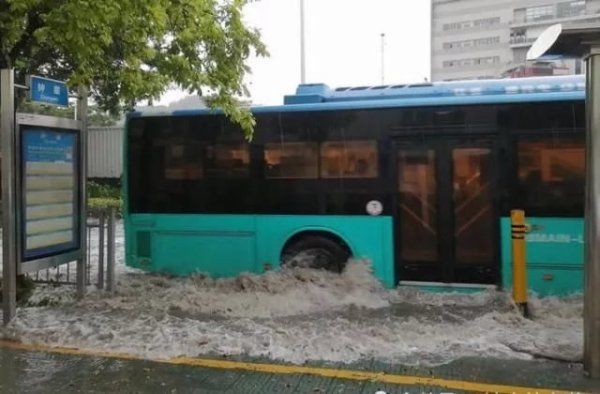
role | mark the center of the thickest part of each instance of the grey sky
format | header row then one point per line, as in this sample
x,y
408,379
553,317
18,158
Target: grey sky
x,y
342,44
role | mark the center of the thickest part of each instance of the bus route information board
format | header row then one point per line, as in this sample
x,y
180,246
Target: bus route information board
x,y
50,203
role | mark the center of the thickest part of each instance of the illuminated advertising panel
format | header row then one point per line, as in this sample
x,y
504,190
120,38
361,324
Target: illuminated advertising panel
x,y
50,192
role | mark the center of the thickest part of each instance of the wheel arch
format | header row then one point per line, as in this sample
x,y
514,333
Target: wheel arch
x,y
317,231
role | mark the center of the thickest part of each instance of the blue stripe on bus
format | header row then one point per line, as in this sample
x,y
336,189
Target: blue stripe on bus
x,y
385,103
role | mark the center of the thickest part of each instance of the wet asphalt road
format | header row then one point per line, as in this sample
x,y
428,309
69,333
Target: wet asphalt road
x,y
40,372
23,371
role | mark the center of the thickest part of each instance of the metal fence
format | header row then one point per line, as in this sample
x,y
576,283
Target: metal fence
x,y
105,157
100,257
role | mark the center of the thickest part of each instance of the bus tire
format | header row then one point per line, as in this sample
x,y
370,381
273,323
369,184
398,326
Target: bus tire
x,y
316,252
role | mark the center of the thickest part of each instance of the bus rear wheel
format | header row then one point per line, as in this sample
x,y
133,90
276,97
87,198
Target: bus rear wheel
x,y
316,252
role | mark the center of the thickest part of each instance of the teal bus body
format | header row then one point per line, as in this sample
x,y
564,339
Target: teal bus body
x,y
225,245
554,250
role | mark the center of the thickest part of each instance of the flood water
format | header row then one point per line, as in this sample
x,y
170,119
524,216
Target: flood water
x,y
298,316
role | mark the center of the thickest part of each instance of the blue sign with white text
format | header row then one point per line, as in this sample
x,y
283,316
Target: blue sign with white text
x,y
48,91
50,192
48,146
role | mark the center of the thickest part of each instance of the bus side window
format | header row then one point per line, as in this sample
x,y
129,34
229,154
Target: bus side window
x,y
551,176
231,160
183,161
291,160
349,159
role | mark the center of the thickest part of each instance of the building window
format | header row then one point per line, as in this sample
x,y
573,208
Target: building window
x,y
569,9
539,13
349,159
479,42
486,22
518,36
292,160
478,23
477,61
482,42
183,162
228,160
565,9
551,174
450,26
490,60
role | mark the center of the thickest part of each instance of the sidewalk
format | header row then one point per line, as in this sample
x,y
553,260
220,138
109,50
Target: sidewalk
x,y
69,371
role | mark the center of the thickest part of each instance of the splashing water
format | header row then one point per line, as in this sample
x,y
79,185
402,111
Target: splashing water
x,y
298,315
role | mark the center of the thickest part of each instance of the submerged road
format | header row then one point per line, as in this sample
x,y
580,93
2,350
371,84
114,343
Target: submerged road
x,y
33,369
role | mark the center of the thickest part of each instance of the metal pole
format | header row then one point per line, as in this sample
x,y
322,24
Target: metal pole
x,y
518,230
9,250
382,58
110,251
82,96
302,45
101,225
591,308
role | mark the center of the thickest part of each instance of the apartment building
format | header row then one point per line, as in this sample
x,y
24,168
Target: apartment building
x,y
473,39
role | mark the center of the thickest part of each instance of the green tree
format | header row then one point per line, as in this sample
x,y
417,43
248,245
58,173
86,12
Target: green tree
x,y
132,50
96,116
99,117
35,108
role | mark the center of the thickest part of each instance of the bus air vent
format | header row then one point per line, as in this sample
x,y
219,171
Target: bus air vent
x,y
143,244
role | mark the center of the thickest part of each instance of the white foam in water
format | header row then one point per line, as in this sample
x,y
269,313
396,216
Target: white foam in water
x,y
298,315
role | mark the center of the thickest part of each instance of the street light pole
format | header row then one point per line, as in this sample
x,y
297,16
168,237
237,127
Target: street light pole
x,y
382,58
302,45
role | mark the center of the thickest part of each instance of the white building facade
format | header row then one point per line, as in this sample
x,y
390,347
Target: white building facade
x,y
473,39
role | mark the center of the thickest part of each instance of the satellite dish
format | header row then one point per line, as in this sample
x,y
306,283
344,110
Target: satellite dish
x,y
544,41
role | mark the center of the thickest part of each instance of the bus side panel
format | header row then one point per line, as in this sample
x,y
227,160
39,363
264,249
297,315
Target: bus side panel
x,y
218,245
226,245
369,237
554,252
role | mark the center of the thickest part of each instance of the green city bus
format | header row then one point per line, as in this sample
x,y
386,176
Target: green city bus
x,y
418,179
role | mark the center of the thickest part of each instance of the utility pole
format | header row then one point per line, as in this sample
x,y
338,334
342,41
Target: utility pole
x,y
383,58
302,45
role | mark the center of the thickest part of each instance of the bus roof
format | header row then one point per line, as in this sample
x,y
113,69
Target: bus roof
x,y
321,93
319,97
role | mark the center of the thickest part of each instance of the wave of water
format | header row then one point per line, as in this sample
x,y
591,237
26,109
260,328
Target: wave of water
x,y
298,315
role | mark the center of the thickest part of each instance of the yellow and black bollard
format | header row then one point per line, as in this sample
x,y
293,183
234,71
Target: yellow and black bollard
x,y
518,230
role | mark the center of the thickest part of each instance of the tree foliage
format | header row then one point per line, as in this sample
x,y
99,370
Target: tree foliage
x,y
96,116
133,50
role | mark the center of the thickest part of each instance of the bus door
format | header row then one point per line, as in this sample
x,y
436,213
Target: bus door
x,y
446,215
